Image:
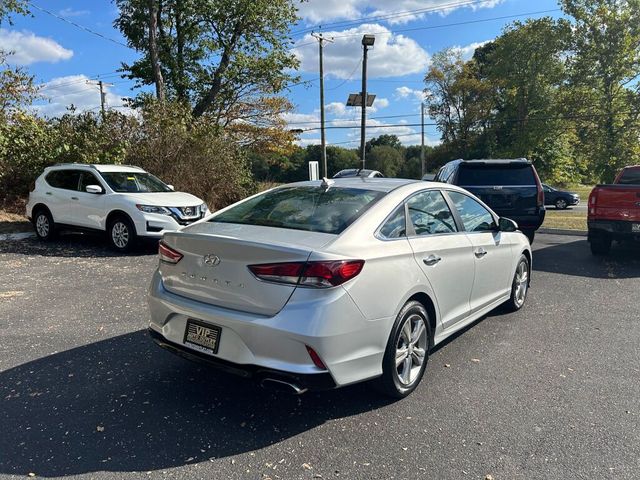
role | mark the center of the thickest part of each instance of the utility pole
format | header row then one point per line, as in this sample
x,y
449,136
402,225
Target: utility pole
x,y
103,94
424,167
323,140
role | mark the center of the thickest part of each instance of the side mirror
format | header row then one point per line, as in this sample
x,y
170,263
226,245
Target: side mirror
x,y
507,225
171,187
95,189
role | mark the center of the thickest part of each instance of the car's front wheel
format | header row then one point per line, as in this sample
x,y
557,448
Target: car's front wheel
x,y
407,352
43,225
561,204
520,285
121,234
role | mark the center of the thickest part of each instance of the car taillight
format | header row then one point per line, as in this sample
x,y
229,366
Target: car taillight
x,y
593,201
322,274
540,197
168,254
315,358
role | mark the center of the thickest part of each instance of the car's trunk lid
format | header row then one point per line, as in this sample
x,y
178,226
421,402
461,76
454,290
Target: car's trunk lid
x,y
214,267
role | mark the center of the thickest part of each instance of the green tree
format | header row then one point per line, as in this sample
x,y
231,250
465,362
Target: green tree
x,y
386,159
603,95
9,7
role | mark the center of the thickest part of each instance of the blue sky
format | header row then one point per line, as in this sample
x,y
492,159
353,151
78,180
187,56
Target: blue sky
x,y
63,57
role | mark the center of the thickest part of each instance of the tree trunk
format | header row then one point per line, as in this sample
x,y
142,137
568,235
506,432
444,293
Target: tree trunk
x,y
153,50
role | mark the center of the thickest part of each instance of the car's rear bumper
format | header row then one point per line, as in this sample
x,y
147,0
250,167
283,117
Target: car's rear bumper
x,y
328,321
529,222
310,381
614,229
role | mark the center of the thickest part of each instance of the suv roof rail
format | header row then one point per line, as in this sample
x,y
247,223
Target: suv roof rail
x,y
74,164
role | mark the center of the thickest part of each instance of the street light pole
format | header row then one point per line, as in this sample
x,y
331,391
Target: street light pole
x,y
424,167
367,41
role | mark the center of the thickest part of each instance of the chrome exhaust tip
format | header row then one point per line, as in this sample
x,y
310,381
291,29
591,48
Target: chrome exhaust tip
x,y
282,386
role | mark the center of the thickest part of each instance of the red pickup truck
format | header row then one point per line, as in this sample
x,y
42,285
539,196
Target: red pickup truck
x,y
614,211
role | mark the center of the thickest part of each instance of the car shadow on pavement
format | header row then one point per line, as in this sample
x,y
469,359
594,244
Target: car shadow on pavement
x,y
575,258
124,405
79,245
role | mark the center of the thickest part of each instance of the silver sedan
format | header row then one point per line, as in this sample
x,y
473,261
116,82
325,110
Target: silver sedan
x,y
317,285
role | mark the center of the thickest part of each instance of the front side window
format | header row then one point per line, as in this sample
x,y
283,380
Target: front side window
x,y
396,225
65,179
475,217
134,182
88,178
315,209
430,214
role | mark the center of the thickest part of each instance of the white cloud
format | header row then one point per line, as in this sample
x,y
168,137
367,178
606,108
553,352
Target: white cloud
x,y
410,93
338,109
381,103
27,48
70,12
62,92
467,51
391,56
317,11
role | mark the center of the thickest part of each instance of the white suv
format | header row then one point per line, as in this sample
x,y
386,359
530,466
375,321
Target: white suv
x,y
124,201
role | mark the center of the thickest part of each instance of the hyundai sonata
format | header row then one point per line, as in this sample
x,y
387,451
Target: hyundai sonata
x,y
317,285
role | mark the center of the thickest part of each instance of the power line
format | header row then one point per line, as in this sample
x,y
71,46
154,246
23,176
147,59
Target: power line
x,y
350,77
445,25
399,13
77,25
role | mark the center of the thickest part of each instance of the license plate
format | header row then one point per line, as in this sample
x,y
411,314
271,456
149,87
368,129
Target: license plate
x,y
635,227
202,337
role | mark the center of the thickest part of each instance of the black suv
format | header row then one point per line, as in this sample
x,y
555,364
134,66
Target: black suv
x,y
511,188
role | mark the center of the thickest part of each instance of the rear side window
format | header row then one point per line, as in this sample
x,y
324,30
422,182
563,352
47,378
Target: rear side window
x,y
396,225
430,214
475,217
630,177
66,179
314,209
480,175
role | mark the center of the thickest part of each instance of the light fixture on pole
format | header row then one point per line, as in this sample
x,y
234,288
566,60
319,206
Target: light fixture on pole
x,y
356,99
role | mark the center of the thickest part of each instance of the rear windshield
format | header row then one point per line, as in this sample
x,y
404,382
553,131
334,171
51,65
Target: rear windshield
x,y
314,209
134,182
630,177
480,175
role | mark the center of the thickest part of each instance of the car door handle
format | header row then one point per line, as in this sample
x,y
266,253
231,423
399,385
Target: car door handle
x,y
481,252
47,193
431,260
74,198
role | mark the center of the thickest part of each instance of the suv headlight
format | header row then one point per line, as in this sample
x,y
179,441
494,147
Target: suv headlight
x,y
204,209
154,209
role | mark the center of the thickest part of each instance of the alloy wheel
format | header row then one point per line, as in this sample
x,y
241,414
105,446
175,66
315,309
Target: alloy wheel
x,y
42,225
521,283
561,204
120,234
411,349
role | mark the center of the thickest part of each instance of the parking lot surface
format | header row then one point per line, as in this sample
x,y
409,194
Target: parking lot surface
x,y
549,392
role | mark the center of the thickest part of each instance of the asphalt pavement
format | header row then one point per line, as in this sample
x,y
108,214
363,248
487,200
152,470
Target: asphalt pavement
x,y
549,392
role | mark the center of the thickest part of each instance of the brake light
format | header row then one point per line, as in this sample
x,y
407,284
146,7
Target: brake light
x,y
168,254
322,274
540,196
593,201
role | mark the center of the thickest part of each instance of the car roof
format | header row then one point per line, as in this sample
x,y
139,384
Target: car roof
x,y
365,183
496,161
98,167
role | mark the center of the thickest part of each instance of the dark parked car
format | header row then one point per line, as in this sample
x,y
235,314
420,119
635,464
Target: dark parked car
x,y
358,172
560,198
511,188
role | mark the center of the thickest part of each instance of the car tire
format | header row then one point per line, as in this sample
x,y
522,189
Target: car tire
x,y
519,285
600,245
44,225
561,204
121,234
530,234
411,336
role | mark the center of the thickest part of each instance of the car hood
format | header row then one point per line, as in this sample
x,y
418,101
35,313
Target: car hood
x,y
164,199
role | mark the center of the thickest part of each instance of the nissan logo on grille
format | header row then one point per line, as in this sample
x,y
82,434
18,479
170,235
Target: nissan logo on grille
x,y
211,260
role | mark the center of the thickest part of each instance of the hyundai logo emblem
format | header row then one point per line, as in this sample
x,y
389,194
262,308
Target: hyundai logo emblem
x,y
211,260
